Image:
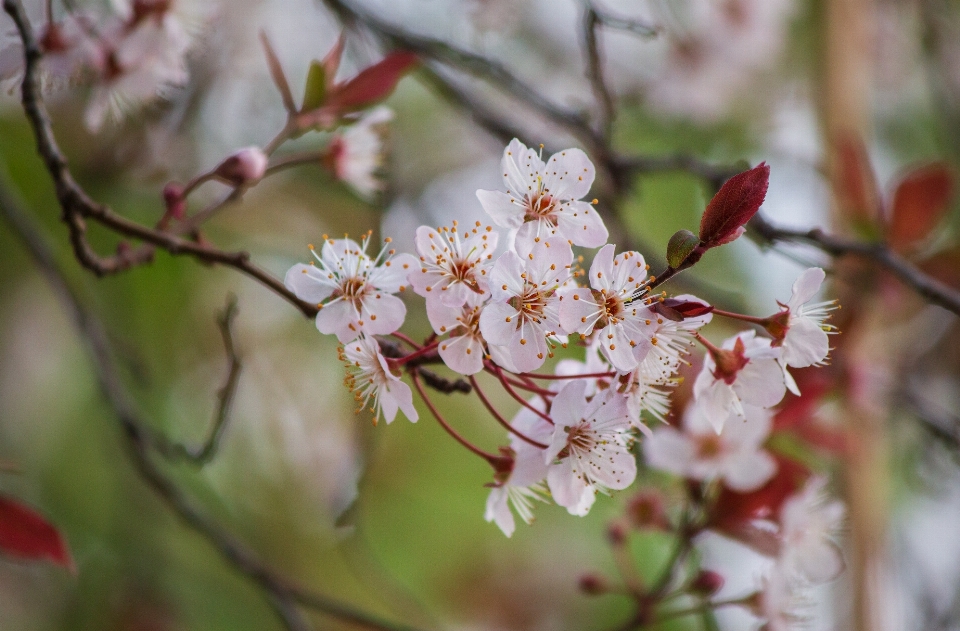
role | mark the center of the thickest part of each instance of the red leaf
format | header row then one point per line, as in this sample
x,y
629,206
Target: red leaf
x,y
733,510
276,73
734,204
372,84
24,533
920,202
688,308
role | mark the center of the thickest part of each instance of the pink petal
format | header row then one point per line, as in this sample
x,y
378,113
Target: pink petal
x,y
498,511
338,318
494,325
308,283
463,354
392,275
806,287
382,314
760,383
569,490
578,312
748,470
501,208
581,223
805,344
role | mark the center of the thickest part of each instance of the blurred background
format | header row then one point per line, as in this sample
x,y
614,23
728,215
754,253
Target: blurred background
x,y
390,518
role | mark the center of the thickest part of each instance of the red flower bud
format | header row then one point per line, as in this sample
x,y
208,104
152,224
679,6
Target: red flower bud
x,y
246,166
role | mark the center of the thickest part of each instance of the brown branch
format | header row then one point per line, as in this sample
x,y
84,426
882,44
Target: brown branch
x,y
77,206
910,275
283,593
204,453
591,24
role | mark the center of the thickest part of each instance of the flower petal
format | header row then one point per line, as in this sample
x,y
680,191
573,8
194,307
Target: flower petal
x,y
806,287
503,209
308,283
569,174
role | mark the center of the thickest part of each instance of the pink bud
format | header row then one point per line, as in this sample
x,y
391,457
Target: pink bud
x,y
593,584
617,533
246,166
646,511
174,201
707,583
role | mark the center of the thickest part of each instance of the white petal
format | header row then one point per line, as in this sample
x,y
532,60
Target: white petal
x,y
615,344
382,314
520,166
501,208
819,562
527,347
760,382
581,223
805,344
806,287
463,354
602,272
569,174
748,470
498,511
398,395
569,490
505,280
392,275
308,283
338,318
578,312
498,323
568,408
669,450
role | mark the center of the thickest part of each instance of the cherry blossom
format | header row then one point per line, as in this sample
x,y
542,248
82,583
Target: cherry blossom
x,y
524,483
744,371
369,377
351,290
612,307
590,447
356,153
525,304
781,603
808,524
462,351
542,199
800,328
455,263
670,340
698,453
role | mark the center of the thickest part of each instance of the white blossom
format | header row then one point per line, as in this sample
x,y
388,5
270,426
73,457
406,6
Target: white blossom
x,y
745,371
590,447
462,351
542,199
454,264
805,342
525,304
351,290
369,377
736,456
357,152
613,306
809,522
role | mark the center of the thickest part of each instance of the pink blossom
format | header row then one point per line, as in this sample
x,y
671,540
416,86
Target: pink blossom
x,y
462,351
357,152
613,306
542,199
590,447
735,456
803,336
525,304
369,377
745,371
808,524
524,483
351,290
454,265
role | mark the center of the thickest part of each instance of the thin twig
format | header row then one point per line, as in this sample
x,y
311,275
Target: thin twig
x,y
591,24
138,439
493,411
930,288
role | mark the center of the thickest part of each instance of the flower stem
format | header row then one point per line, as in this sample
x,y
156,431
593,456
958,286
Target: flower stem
x,y
589,375
489,457
513,393
420,352
499,417
403,338
741,316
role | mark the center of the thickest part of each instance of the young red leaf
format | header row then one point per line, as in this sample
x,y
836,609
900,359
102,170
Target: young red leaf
x,y
733,206
688,308
920,202
331,62
24,533
276,73
372,84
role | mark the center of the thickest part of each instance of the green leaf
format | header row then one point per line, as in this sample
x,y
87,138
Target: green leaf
x,y
316,89
681,244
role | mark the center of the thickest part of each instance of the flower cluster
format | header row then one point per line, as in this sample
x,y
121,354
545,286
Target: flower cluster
x,y
506,311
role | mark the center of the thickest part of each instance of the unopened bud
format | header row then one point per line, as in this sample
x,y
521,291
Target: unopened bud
x,y
593,584
246,166
174,201
645,511
617,533
707,583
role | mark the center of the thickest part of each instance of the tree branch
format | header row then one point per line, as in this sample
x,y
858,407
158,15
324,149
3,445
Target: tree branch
x,y
139,442
930,288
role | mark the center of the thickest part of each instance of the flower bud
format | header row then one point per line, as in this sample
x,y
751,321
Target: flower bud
x,y
617,533
246,166
593,584
645,511
174,201
707,583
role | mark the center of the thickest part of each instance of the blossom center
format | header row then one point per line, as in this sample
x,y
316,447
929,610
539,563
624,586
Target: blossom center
x,y
541,206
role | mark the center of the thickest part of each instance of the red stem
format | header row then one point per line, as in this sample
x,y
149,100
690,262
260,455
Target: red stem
x,y
403,338
489,457
500,419
741,316
399,361
530,387
513,393
706,343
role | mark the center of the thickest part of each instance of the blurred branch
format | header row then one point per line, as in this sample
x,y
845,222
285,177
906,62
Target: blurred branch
x,y
930,288
203,454
591,24
630,25
282,592
77,206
